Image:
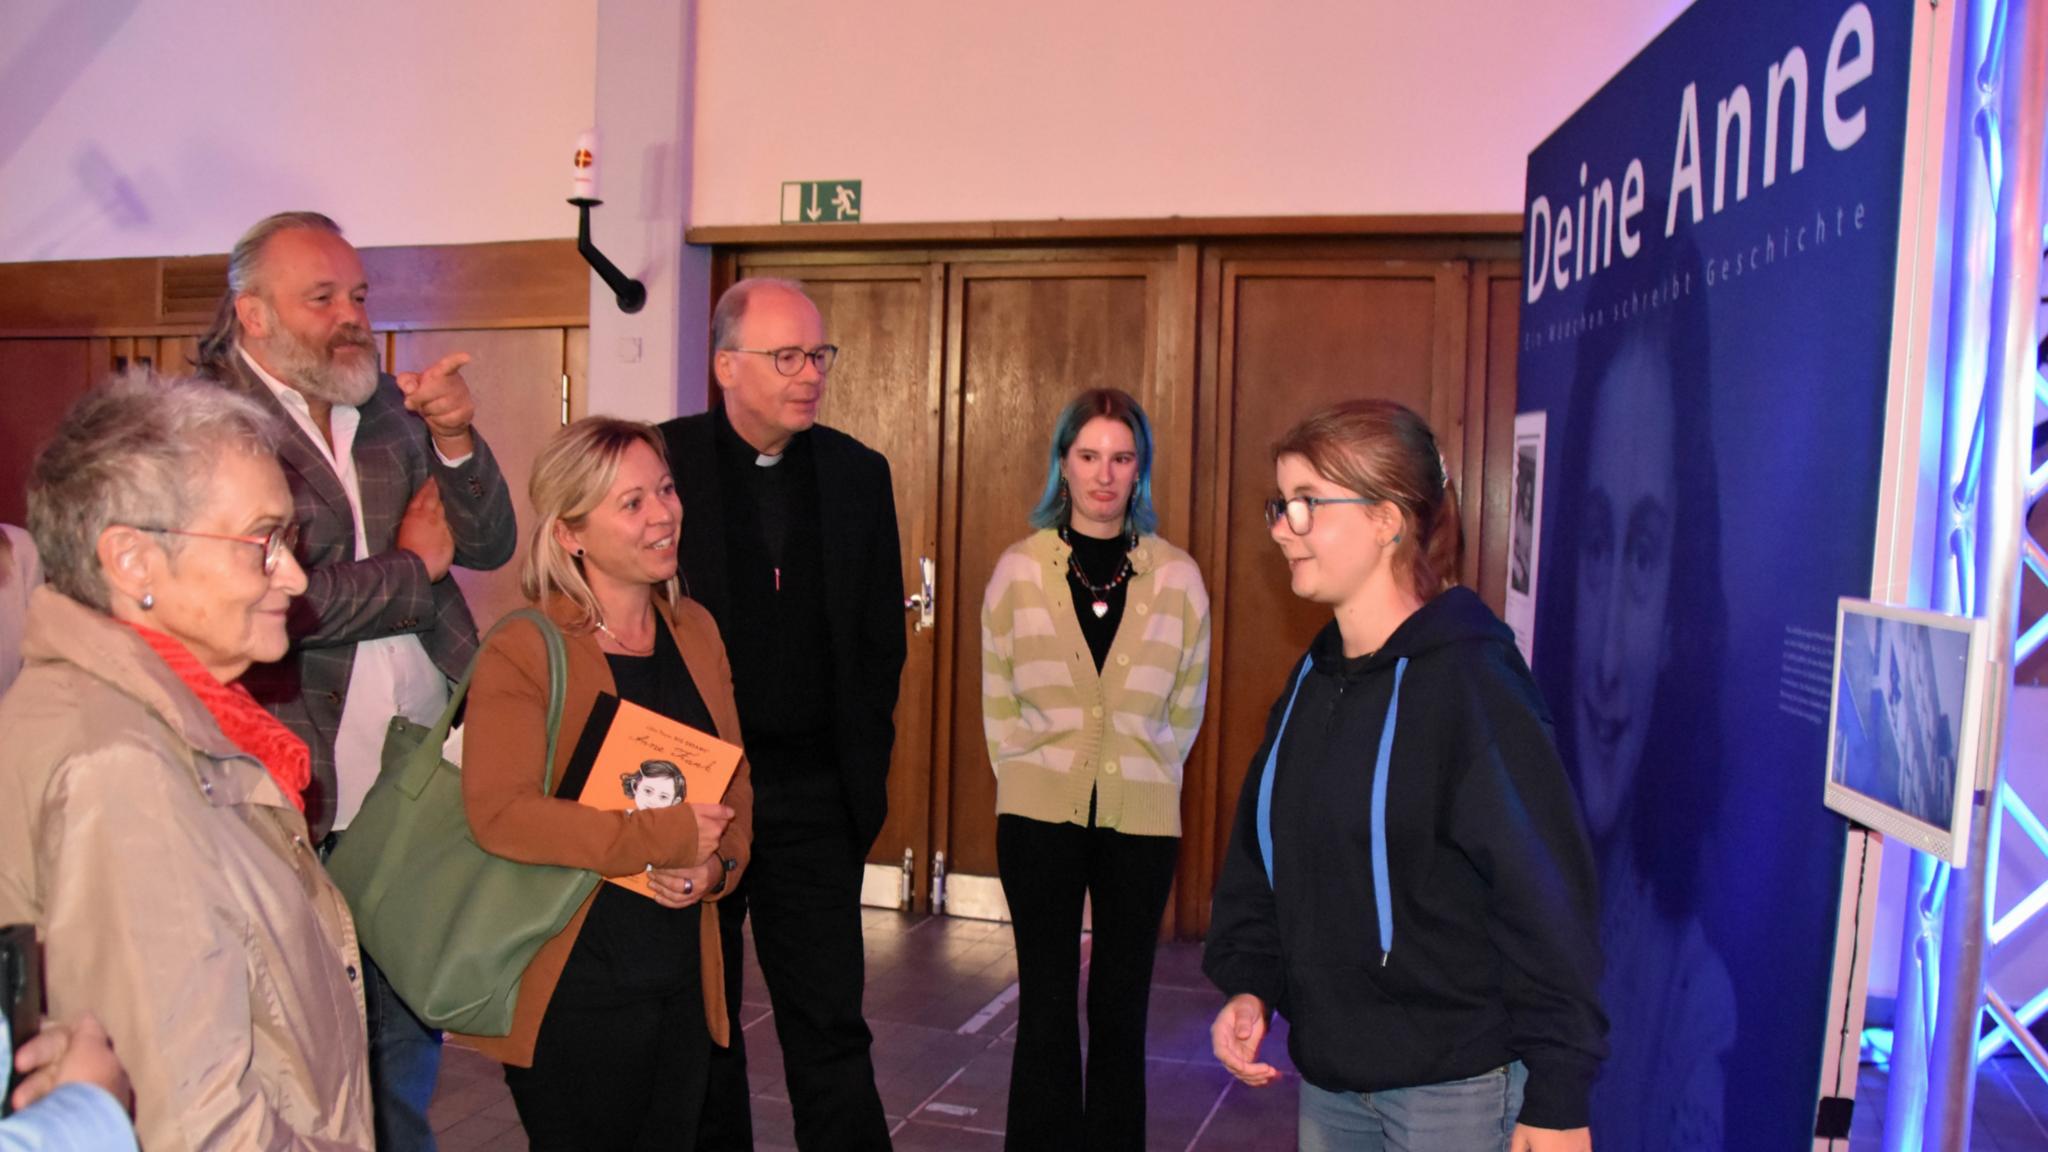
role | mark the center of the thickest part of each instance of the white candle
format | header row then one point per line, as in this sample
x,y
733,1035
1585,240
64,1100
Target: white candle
x,y
584,183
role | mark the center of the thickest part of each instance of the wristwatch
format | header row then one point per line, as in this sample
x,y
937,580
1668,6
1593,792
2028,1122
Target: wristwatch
x,y
731,866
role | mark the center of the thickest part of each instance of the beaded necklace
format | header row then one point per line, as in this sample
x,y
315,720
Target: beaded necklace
x,y
1100,604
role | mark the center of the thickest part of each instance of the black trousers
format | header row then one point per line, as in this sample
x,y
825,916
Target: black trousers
x,y
617,1074
802,891
1046,869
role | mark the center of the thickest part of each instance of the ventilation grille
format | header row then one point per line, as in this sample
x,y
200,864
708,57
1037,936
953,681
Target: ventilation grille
x,y
192,288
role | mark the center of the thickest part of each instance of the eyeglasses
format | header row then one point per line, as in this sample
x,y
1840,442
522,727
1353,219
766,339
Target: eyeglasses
x,y
278,541
1300,511
790,361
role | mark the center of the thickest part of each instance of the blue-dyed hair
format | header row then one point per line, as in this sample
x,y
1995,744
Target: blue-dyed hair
x,y
1054,506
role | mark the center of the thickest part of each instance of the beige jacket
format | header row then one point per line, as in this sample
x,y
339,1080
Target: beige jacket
x,y
177,898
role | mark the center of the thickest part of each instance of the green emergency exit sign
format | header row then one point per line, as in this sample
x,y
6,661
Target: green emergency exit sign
x,y
821,202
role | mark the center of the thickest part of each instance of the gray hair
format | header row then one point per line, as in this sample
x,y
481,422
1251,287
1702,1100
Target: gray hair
x,y
139,451
732,306
245,266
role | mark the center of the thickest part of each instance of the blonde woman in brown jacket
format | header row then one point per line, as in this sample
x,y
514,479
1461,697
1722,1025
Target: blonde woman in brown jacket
x,y
616,1015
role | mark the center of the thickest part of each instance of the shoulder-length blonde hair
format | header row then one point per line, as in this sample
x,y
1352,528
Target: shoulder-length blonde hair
x,y
570,479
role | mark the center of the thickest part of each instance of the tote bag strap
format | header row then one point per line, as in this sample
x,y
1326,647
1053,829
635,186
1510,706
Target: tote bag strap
x,y
558,689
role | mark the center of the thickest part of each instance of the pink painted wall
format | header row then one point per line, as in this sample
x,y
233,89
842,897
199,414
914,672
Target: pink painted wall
x,y
162,127
1081,108
154,127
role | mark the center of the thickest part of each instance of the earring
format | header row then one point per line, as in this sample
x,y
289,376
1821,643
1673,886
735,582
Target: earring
x,y
1065,496
148,601
1395,540
577,553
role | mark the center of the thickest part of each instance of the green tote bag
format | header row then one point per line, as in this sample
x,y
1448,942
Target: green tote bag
x,y
452,926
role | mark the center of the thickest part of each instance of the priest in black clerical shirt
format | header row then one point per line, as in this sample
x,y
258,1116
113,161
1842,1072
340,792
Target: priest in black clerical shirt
x,y
790,540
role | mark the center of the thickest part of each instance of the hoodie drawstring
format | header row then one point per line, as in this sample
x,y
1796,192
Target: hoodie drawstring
x,y
1266,777
1382,886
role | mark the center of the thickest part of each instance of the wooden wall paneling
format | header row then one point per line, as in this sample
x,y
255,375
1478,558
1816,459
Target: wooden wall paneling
x,y
1449,395
1172,410
120,354
1488,473
927,536
517,284
177,355
776,262
100,364
39,380
576,366
77,297
1023,339
1206,801
1290,336
516,377
952,611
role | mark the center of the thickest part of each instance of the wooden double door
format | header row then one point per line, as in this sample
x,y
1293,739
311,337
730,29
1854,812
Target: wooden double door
x,y
954,365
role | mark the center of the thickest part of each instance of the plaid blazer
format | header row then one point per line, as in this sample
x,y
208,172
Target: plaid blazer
x,y
348,600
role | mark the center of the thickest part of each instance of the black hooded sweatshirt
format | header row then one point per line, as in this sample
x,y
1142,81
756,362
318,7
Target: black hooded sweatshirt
x,y
1487,883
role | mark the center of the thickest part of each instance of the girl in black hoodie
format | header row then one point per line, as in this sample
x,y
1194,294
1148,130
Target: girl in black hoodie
x,y
1408,879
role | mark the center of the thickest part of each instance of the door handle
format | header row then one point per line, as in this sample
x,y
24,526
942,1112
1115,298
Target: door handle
x,y
924,600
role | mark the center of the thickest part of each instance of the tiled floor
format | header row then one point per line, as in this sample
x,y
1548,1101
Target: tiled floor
x,y
941,1001
940,998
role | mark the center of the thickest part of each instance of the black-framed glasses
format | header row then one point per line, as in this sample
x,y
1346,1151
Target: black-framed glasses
x,y
1300,511
275,543
790,361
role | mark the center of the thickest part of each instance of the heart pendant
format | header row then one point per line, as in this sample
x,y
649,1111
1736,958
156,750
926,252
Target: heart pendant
x,y
1101,608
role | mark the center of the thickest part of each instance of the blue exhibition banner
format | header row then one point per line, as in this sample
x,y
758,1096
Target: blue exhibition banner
x,y
1710,256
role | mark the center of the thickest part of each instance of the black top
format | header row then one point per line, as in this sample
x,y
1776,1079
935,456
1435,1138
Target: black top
x,y
863,577
1495,953
782,671
632,949
1100,563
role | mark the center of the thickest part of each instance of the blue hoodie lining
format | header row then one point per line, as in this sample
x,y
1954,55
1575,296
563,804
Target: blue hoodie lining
x,y
1382,886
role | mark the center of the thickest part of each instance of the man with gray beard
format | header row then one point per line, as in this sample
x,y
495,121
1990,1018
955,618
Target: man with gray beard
x,y
391,486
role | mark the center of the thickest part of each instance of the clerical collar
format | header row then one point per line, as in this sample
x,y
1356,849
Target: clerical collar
x,y
737,444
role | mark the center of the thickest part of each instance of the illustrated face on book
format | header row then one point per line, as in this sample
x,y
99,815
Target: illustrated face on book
x,y
658,784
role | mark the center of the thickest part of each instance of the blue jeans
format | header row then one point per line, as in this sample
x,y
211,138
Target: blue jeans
x,y
405,1061
1476,1115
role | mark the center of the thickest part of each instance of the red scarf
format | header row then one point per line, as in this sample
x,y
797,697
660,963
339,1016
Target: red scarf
x,y
241,719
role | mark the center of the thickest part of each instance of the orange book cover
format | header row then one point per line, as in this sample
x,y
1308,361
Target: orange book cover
x,y
647,760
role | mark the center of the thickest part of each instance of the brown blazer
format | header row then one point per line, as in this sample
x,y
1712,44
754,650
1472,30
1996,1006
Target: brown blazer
x,y
504,736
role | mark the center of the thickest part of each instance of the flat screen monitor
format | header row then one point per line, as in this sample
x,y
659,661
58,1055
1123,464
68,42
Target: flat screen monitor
x,y
1907,723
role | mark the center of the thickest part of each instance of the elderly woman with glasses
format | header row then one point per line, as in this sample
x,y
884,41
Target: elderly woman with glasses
x,y
151,816
1095,671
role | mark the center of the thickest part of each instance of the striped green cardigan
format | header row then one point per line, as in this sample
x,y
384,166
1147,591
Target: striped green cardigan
x,y
1056,728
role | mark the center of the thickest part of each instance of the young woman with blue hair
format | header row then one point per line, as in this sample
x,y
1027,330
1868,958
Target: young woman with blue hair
x,y
1095,670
